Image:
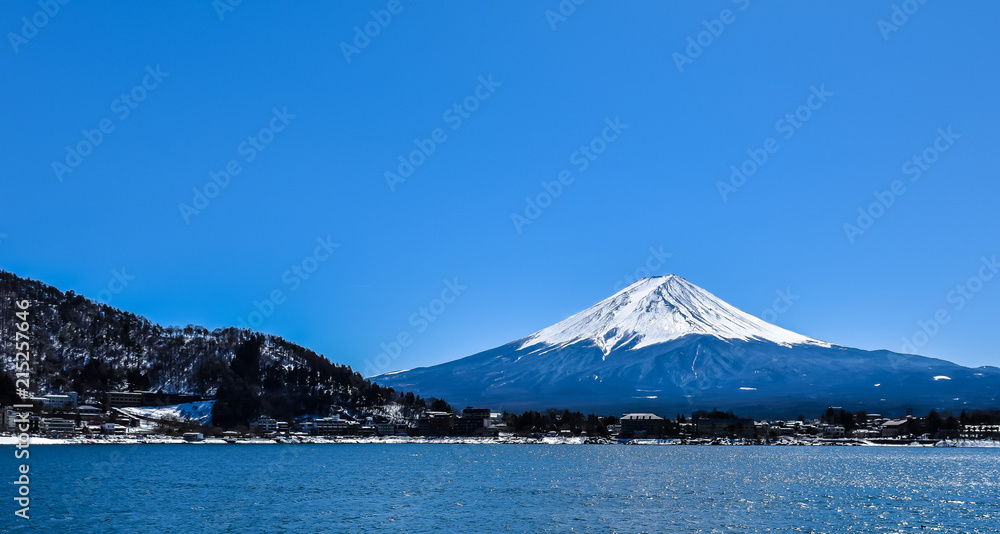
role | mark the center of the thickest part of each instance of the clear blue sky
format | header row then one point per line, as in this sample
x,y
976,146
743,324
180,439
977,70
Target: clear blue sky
x,y
529,97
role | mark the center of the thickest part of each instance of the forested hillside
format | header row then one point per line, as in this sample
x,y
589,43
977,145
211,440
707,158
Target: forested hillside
x,y
88,347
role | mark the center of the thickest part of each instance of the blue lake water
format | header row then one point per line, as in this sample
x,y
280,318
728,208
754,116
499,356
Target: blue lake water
x,y
505,488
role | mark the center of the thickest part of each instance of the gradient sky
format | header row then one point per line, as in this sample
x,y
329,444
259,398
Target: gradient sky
x,y
552,84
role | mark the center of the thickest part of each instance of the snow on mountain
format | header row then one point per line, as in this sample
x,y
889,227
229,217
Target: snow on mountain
x,y
657,310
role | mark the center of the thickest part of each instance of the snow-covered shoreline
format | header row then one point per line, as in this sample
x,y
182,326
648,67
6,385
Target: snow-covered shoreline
x,y
511,440
981,444
300,440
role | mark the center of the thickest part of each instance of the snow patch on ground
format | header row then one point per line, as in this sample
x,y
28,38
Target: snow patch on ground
x,y
199,412
976,444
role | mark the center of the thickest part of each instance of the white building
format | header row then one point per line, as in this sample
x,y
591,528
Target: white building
x,y
833,432
895,428
85,410
8,416
641,424
60,401
58,426
333,425
112,428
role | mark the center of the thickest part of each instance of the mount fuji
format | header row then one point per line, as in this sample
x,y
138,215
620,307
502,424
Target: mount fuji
x,y
665,345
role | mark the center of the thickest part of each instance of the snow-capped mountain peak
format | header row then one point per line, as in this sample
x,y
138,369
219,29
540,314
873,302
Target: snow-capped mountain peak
x,y
666,346
657,310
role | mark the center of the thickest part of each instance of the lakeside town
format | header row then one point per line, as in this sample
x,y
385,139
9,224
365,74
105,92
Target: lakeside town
x,y
155,417
100,375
